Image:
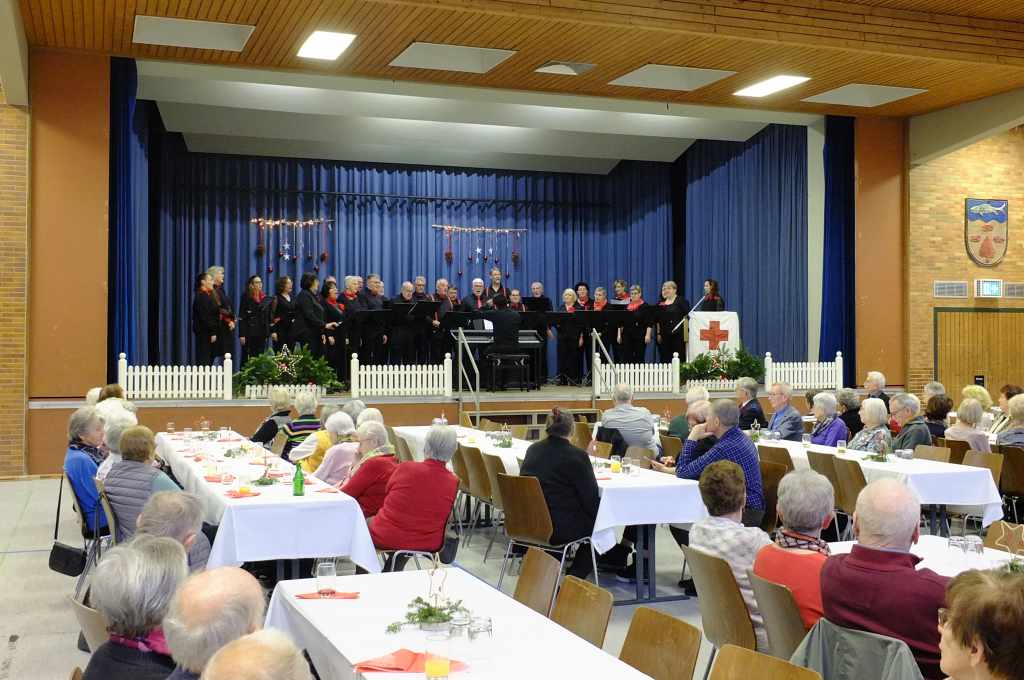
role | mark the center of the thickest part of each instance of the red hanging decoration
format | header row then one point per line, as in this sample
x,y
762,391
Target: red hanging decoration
x,y
323,256
270,269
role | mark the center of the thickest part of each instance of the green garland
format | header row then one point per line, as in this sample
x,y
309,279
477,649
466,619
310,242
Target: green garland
x,y
298,367
723,364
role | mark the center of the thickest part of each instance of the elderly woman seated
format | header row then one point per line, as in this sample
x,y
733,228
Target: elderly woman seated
x,y
418,499
85,437
806,506
935,413
368,477
310,453
968,418
306,424
875,437
177,515
983,628
132,588
849,410
341,451
280,414
370,415
131,482
116,419
828,427
1013,435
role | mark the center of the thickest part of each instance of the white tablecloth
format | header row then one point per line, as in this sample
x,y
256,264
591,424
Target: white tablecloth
x,y
274,525
645,497
935,483
340,633
939,558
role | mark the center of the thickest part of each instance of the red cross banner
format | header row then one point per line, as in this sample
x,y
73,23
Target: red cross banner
x,y
713,331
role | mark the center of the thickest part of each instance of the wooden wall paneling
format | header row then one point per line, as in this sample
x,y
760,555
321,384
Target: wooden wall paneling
x,y
978,341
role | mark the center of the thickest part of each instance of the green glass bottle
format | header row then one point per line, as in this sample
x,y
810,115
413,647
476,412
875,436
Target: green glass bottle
x,y
298,482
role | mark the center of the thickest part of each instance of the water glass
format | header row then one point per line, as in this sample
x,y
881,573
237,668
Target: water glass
x,y
841,446
958,551
627,465
170,427
325,577
806,439
481,628
437,664
223,433
976,553
616,463
188,435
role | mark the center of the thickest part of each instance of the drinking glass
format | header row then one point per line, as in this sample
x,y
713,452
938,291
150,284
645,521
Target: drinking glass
x,y
188,435
958,551
806,439
841,446
325,576
616,463
223,433
170,427
204,425
437,664
627,465
480,627
976,553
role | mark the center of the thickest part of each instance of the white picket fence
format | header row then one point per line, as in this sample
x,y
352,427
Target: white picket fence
x,y
805,375
175,382
261,391
420,380
641,377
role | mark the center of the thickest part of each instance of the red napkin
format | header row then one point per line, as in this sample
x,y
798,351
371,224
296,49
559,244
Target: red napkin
x,y
603,479
329,489
402,661
336,595
277,474
237,494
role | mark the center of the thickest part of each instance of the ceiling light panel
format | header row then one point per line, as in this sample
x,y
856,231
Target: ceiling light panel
x,y
564,68
201,35
661,77
771,86
860,94
451,57
325,45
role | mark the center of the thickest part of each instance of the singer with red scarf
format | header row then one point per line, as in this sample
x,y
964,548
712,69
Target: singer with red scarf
x,y
712,300
205,320
253,319
334,340
671,311
635,333
477,300
609,330
226,333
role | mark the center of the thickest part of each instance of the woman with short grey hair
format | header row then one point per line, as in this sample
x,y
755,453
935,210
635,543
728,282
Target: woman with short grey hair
x,y
440,444
829,429
968,417
368,477
875,437
280,414
81,462
115,422
132,588
370,415
849,409
353,407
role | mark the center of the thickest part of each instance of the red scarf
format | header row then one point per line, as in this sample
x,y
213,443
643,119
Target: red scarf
x,y
622,296
666,303
571,309
208,292
598,309
153,641
633,306
517,307
337,304
479,300
349,295
258,296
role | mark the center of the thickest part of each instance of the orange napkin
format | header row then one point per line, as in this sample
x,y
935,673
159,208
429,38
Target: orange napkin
x,y
329,489
237,494
334,596
603,479
401,661
198,458
256,462
216,479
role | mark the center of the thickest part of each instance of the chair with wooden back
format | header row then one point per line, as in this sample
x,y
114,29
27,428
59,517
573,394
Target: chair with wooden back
x,y
494,466
603,450
736,663
939,454
661,645
488,425
723,613
823,464
479,485
1003,535
851,482
781,615
581,434
584,609
1012,481
108,510
92,623
278,443
957,450
771,475
465,420
776,454
992,461
76,674
402,451
671,446
538,579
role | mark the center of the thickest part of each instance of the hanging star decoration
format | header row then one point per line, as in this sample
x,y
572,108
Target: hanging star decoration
x,y
1012,539
287,362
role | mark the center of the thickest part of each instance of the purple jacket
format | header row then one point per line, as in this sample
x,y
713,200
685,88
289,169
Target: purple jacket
x,y
831,433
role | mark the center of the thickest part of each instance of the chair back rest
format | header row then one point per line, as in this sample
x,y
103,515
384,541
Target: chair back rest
x,y
723,613
402,451
671,446
108,510
461,468
278,443
661,645
1012,482
603,449
92,623
823,464
526,512
479,484
771,475
538,579
465,420
494,466
1006,536
851,481
581,434
957,449
775,454
520,431
584,609
992,461
939,454
736,663
488,425
840,653
639,453
781,615
76,674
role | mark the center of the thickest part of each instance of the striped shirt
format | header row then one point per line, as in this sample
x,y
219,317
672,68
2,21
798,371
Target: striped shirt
x,y
734,446
298,429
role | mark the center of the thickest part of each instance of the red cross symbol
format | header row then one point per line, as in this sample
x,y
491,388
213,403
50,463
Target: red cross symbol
x,y
714,334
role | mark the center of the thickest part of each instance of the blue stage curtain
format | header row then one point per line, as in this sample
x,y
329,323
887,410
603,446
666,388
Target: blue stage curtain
x,y
129,216
746,226
838,302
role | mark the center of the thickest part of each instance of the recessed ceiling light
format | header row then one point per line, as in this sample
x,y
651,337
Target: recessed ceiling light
x,y
201,35
771,86
325,45
663,77
564,68
450,57
860,94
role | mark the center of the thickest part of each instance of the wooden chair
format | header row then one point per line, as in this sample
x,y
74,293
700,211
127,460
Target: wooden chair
x,y
603,450
723,613
537,581
584,609
851,482
520,431
641,456
494,466
939,454
660,645
528,521
488,425
479,486
957,450
1003,535
823,464
781,615
402,451
776,454
108,510
76,674
278,443
771,475
581,434
1012,481
808,426
92,623
671,446
465,420
735,663
992,461
392,437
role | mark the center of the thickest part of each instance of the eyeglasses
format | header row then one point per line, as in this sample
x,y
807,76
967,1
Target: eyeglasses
x,y
943,617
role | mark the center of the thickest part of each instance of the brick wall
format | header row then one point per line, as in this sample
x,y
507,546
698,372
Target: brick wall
x,y
13,276
992,168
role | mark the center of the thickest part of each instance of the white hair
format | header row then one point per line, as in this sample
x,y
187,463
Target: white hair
x,y
970,412
806,500
328,410
695,394
826,401
700,410
622,394
878,378
476,281
887,515
440,443
305,402
748,385
81,421
727,412
848,398
214,270
934,389
874,410
370,415
279,399
785,388
340,424
1016,407
134,582
353,407
905,400
267,654
373,432
174,514
114,425
93,396
350,279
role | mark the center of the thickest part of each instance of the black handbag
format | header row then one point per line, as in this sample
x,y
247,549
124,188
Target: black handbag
x,y
449,548
65,559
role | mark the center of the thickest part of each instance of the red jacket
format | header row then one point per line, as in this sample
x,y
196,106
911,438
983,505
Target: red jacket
x,y
419,498
369,484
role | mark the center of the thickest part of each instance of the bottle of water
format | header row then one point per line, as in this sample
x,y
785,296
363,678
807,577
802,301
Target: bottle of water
x,y
298,482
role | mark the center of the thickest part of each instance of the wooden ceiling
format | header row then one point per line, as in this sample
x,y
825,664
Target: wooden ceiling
x,y
930,44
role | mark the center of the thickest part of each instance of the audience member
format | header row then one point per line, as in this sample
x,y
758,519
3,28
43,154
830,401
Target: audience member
x,y
85,437
339,457
849,409
92,397
1013,435
933,389
696,414
982,631
111,391
132,587
570,488
307,423
680,426
723,490
368,477
370,415
877,587
809,400
786,420
806,506
209,611
280,414
177,515
264,655
634,423
310,454
750,407
353,407
935,413
978,392
905,409
829,428
1002,420
968,417
875,436
115,421
131,482
874,385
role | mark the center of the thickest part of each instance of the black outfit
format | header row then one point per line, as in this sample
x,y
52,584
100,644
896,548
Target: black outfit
x,y
633,349
335,353
225,336
669,317
308,326
542,331
282,316
270,427
750,412
880,395
205,324
441,341
570,491
352,328
254,326
569,334
490,293
117,662
472,303
936,427
609,332
373,348
852,420
421,338
402,338
711,304
506,333
585,358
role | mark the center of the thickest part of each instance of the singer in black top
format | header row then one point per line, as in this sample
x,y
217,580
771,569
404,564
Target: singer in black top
x,y
334,312
253,319
609,332
712,300
282,313
403,331
477,300
542,303
205,319
441,341
570,342
671,311
584,303
310,325
373,334
226,333
634,334
496,287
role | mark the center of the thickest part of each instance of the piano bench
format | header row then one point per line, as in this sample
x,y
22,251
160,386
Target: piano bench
x,y
500,362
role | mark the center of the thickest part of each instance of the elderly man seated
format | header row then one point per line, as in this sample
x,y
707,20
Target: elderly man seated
x,y
177,515
878,587
209,611
264,655
806,506
750,407
786,420
905,409
634,423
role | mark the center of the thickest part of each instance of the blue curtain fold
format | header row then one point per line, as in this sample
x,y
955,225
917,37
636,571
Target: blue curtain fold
x,y
746,226
838,302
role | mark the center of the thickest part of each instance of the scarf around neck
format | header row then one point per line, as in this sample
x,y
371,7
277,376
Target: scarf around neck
x,y
790,540
386,450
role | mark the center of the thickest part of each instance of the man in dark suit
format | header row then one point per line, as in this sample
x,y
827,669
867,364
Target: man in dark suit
x,y
750,408
506,325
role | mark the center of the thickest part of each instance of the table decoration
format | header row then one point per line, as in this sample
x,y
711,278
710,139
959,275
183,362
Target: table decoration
x,y
436,611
